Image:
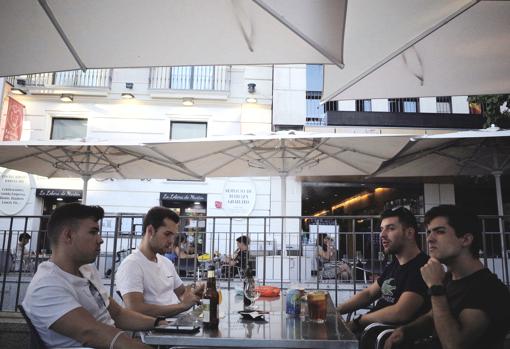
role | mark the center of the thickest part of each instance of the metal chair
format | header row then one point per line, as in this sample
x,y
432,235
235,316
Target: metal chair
x,y
370,335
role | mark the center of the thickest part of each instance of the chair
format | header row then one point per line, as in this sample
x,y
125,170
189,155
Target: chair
x,y
35,340
381,338
370,335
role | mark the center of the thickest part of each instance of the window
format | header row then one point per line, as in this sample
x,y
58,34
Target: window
x,y
183,130
68,128
403,105
475,108
444,104
364,105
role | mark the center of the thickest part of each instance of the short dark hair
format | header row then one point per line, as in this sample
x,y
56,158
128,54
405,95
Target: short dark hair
x,y
156,215
405,217
68,215
24,236
462,220
243,239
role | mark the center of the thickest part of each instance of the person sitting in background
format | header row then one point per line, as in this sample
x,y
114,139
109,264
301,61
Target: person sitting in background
x,y
470,305
181,247
240,259
66,300
21,254
327,257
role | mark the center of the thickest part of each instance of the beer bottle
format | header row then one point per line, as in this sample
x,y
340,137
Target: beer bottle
x,y
211,300
247,282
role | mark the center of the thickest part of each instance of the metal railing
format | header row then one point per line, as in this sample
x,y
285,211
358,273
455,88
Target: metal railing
x,y
206,78
97,78
283,250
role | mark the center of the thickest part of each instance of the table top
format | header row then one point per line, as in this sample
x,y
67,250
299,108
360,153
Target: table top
x,y
278,330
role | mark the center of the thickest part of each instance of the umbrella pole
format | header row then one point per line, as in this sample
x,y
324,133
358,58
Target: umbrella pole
x,y
85,179
497,178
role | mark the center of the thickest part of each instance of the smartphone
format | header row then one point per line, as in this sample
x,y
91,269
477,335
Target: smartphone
x,y
172,328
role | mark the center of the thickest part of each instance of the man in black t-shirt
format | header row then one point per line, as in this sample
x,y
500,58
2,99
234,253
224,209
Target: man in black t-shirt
x,y
400,290
470,306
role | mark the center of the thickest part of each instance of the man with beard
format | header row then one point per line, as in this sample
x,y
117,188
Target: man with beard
x,y
66,300
147,279
470,305
400,291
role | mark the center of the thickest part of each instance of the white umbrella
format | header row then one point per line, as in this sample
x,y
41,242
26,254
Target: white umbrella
x,y
282,154
55,159
57,35
433,48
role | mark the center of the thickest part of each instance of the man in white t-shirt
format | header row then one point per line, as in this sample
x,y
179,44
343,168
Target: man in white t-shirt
x,y
147,280
66,300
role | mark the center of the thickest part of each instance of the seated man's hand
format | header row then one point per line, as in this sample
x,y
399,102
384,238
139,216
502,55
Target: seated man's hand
x,y
189,298
397,337
199,289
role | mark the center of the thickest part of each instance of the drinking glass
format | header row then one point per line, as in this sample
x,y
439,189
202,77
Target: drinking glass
x,y
250,291
317,306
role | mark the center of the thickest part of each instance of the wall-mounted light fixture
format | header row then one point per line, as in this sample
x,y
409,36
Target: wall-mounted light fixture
x,y
188,102
66,98
128,95
251,91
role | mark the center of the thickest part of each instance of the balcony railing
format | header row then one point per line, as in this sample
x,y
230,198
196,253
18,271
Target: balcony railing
x,y
206,78
96,78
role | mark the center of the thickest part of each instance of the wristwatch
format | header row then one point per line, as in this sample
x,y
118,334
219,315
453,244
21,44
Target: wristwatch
x,y
437,290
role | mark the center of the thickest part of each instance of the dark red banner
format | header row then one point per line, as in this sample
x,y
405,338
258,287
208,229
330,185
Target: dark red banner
x,y
14,120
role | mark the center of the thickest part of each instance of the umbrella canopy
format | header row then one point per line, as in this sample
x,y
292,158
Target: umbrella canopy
x,y
89,160
444,48
57,35
282,154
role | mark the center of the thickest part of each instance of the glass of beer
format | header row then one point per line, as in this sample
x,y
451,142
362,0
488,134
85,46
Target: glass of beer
x,y
317,306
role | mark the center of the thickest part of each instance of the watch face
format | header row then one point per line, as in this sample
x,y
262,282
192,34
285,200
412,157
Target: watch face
x,y
437,290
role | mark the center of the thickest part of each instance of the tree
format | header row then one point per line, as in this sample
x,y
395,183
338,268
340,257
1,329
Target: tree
x,y
492,106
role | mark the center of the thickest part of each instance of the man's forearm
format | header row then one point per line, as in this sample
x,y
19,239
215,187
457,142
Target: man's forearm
x,y
446,326
133,321
419,328
386,315
160,310
359,300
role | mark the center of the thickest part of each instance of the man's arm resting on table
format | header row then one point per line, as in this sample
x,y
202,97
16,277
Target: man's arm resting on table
x,y
128,319
361,299
457,333
135,301
419,328
400,312
81,326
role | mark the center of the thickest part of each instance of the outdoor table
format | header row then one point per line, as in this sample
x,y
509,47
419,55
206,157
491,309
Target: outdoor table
x,y
277,330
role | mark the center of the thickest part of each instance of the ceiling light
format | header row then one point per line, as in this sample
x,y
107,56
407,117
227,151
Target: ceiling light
x,y
188,101
60,199
251,100
18,91
127,95
66,98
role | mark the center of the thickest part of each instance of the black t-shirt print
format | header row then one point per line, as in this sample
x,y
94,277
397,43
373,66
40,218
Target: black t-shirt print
x,y
397,279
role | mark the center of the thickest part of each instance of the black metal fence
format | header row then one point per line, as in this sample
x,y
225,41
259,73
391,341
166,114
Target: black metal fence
x,y
282,250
